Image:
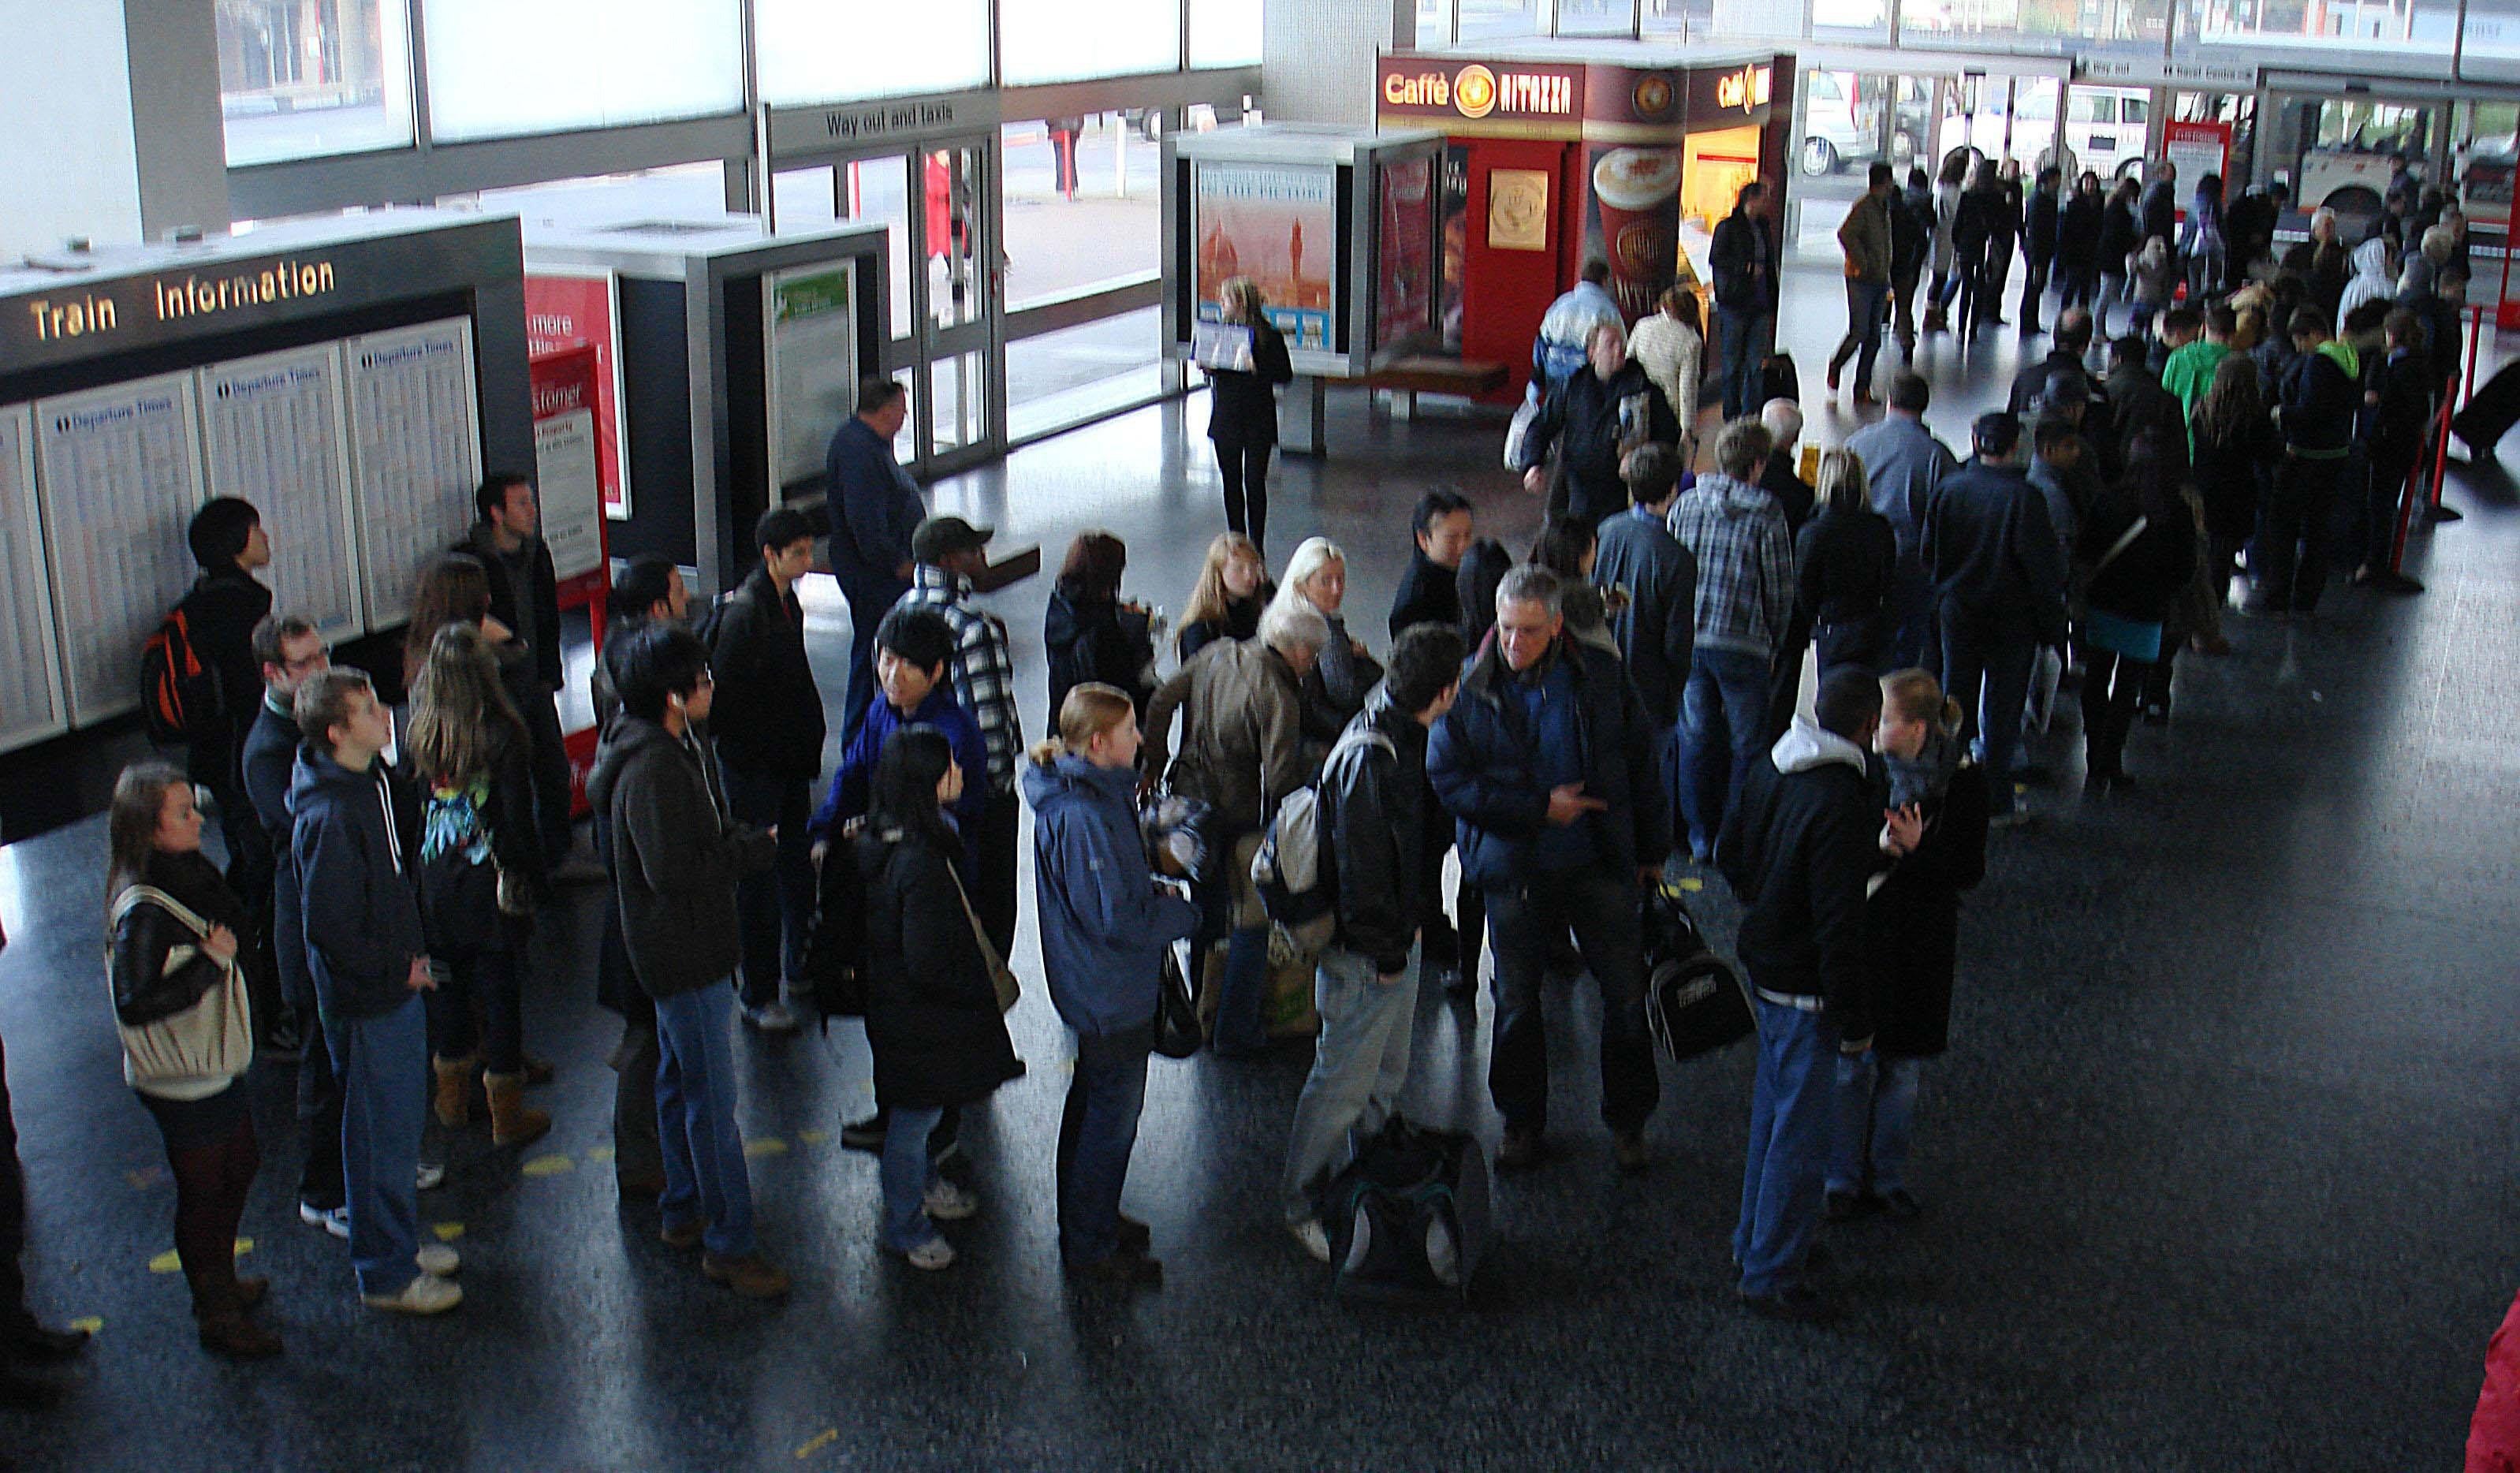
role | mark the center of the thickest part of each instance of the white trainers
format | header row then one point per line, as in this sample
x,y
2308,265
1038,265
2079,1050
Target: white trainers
x,y
771,1018
437,1260
949,1203
424,1295
931,1255
1314,1236
335,1221
432,1176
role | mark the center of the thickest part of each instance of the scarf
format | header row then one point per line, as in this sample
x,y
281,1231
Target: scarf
x,y
1927,776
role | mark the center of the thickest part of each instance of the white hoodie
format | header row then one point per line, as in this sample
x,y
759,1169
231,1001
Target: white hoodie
x,y
2370,281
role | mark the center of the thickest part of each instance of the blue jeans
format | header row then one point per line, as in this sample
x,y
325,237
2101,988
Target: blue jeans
x,y
704,1174
908,1173
1790,1105
1360,1065
1721,714
1986,668
1096,1131
1740,335
1242,992
383,1063
1876,1116
775,910
1865,304
1600,906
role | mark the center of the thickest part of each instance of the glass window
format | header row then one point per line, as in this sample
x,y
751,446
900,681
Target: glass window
x,y
298,80
1708,18
813,51
2094,25
2091,106
1495,20
498,68
2346,32
1055,380
1055,41
1226,32
1081,204
1594,18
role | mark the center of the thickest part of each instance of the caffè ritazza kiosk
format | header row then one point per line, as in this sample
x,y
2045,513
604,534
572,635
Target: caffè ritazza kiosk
x,y
1558,153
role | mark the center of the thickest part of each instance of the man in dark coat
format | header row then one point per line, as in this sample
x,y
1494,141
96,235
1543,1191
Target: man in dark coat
x,y
1594,418
524,595
1547,759
221,609
2321,397
1799,850
1742,260
2039,246
875,510
1430,593
1657,629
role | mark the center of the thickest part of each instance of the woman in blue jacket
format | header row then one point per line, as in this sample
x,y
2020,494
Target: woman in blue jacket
x,y
1105,925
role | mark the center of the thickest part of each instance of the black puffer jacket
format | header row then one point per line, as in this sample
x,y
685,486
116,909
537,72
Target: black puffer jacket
x,y
1374,812
1914,918
1799,849
932,1016
767,718
143,989
531,611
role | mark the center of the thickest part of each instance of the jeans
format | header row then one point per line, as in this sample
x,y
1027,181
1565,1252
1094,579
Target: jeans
x,y
1244,472
2113,291
1986,667
1877,1115
908,1173
1527,918
774,910
2386,488
492,982
1241,996
1721,713
704,1172
1781,1182
868,605
1741,332
1903,300
383,1063
1360,1065
1865,302
1096,1131
2292,556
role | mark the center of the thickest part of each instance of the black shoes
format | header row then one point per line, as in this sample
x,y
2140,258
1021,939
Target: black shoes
x,y
36,1345
1135,1236
1121,1271
1794,1304
1898,1203
864,1135
1633,1154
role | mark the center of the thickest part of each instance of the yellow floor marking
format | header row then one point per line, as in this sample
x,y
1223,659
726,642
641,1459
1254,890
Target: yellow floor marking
x,y
598,1154
819,1442
447,1233
813,1138
169,1262
1692,885
767,1145
92,1324
547,1166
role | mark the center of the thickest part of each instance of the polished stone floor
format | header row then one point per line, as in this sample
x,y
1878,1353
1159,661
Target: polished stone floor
x,y
2219,1171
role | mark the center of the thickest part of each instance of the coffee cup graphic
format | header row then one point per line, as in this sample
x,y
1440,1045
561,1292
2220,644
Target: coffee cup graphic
x,y
1638,191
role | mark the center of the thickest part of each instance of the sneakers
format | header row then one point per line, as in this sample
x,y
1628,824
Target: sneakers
x,y
1314,1238
931,1255
1631,1150
334,1221
948,1203
432,1176
681,1234
437,1260
749,1275
774,1017
864,1135
424,1295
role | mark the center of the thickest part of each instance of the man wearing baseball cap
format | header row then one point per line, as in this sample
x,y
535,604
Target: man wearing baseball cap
x,y
945,553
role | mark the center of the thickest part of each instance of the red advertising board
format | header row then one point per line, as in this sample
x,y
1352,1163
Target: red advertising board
x,y
561,310
2198,149
567,387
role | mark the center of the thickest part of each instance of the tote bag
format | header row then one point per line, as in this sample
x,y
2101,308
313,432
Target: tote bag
x,y
213,1039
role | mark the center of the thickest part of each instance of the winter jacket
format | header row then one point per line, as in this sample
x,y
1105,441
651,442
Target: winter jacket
x,y
2039,226
1745,564
2324,273
270,759
2323,392
1946,214
1902,462
2077,234
2403,380
158,967
1591,422
2142,582
504,806
356,840
2138,402
1741,244
2119,237
1794,494
220,610
2159,206
531,612
1243,727
2156,274
2229,480
874,507
1799,849
1567,328
2202,235
932,1021
1843,564
1429,594
676,854
768,719
1240,622
2190,373
1242,406
1913,920
849,794
1991,549
1373,816
1104,923
1670,354
1911,233
1864,237
1484,760
1657,631
1096,641
1974,223
2372,281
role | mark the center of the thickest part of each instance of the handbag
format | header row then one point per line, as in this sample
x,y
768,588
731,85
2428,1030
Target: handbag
x,y
1000,976
1178,1034
213,1039
1517,434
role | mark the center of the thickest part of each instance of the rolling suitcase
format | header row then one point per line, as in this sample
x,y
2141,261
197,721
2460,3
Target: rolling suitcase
x,y
2491,412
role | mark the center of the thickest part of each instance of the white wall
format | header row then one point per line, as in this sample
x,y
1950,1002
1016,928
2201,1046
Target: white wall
x,y
69,163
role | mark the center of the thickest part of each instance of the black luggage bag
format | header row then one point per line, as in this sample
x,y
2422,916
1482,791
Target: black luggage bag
x,y
1409,1218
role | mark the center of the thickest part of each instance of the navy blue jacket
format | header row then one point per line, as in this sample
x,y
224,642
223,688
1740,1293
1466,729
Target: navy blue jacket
x,y
874,507
1483,761
851,782
1105,923
356,840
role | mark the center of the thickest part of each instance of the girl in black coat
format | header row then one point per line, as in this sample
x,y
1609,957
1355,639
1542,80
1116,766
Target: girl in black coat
x,y
2077,244
1843,564
1937,841
2235,444
933,1019
1243,412
1225,603
1091,635
2141,545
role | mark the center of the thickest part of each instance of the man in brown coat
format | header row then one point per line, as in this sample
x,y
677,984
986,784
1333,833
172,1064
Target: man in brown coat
x,y
1865,239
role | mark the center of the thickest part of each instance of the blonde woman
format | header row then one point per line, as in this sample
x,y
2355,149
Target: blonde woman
x,y
1335,687
1843,566
1226,601
1243,412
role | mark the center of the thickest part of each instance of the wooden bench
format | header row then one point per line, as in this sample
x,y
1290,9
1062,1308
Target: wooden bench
x,y
1303,416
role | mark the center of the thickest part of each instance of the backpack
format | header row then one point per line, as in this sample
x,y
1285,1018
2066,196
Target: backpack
x,y
179,690
1408,1217
712,619
835,946
1693,1003
1288,868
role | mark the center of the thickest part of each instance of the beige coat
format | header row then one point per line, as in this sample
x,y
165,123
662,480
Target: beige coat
x,y
1242,731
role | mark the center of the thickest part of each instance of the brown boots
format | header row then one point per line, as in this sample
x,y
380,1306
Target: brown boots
x,y
454,1103
221,1307
512,1123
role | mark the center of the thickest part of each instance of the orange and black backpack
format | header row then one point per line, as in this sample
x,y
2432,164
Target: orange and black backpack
x,y
179,690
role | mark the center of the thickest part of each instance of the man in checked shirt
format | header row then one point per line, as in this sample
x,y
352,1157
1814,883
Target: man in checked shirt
x,y
946,552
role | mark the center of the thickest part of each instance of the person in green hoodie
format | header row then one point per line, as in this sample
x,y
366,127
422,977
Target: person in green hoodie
x,y
2189,371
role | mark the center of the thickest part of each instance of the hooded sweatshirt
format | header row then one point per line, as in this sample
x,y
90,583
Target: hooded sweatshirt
x,y
1105,923
2323,394
357,839
1745,563
676,854
1799,850
2370,281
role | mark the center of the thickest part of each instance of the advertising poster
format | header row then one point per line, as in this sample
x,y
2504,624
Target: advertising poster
x,y
813,337
1277,224
2198,149
568,473
1404,292
1634,222
562,310
1455,241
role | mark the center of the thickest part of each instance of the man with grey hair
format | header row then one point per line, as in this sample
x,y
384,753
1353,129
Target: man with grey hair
x,y
1546,761
1243,749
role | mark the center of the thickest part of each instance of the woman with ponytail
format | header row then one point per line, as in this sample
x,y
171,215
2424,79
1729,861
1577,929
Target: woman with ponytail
x,y
1105,925
1938,810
